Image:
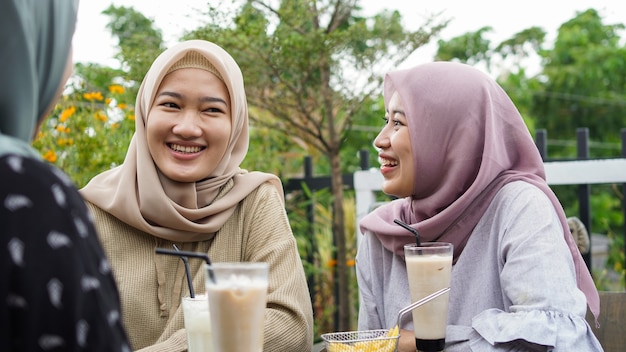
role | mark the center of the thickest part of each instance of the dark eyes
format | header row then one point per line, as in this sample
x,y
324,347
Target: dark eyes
x,y
212,110
394,121
170,105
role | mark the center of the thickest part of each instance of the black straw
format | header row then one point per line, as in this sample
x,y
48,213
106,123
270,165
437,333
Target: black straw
x,y
192,294
189,254
412,230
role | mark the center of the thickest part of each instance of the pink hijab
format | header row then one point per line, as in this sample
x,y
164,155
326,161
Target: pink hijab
x,y
138,194
468,141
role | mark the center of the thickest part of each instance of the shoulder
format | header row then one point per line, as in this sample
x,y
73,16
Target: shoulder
x,y
518,196
33,189
18,170
266,194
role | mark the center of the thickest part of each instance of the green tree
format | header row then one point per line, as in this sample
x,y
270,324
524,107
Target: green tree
x,y
469,48
139,43
311,65
584,79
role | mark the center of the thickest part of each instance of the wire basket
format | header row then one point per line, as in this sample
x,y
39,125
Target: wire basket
x,y
361,341
381,340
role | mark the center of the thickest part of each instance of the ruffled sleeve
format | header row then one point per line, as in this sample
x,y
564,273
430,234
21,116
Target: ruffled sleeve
x,y
531,330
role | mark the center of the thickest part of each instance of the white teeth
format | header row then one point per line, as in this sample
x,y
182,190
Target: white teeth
x,y
387,162
184,149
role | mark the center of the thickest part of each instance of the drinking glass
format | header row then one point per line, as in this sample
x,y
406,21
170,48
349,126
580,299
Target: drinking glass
x,y
237,295
429,268
197,323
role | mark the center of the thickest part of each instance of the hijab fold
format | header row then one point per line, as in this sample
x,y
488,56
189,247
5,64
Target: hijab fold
x,y
138,194
468,141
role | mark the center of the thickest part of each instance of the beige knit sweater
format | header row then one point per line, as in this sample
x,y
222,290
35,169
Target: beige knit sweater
x,y
151,285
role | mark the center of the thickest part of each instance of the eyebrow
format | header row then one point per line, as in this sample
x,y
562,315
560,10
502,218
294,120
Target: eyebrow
x,y
393,112
203,99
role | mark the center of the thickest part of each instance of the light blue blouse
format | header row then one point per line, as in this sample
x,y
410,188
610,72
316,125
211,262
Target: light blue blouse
x,y
513,287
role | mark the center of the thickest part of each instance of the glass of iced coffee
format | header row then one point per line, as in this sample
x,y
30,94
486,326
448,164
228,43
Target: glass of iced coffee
x,y
237,295
197,323
429,267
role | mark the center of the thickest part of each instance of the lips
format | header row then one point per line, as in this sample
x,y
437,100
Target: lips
x,y
185,149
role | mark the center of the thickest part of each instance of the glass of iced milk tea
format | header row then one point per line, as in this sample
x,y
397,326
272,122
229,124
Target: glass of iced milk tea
x,y
429,267
237,295
197,323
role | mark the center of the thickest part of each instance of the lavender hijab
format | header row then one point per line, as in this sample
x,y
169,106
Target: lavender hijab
x,y
468,141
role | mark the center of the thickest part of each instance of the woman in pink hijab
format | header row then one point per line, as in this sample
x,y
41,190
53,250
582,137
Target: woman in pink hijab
x,y
457,154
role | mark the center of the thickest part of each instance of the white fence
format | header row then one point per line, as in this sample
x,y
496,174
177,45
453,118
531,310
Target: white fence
x,y
578,172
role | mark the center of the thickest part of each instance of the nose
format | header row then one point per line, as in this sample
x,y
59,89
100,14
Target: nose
x,y
188,125
382,139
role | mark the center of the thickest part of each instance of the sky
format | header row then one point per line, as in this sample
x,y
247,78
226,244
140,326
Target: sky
x,y
93,42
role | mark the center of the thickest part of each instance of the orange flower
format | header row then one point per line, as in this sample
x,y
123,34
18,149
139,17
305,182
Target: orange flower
x,y
91,96
122,106
60,128
116,89
50,156
99,115
333,263
131,117
107,101
67,113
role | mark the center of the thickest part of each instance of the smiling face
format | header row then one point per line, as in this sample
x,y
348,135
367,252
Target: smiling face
x,y
395,153
189,124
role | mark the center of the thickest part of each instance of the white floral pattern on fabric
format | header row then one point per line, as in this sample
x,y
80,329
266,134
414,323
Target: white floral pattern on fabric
x,y
48,245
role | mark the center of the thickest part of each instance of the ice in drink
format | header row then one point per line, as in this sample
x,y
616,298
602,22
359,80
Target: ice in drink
x,y
197,324
238,298
429,269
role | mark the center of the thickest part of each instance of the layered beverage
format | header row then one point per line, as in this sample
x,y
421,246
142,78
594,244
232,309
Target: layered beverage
x,y
237,297
197,324
429,268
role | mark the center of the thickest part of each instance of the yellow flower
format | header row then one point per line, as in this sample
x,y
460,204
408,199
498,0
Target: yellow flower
x,y
116,89
107,101
66,113
122,106
99,115
62,142
115,125
70,141
91,96
50,156
131,117
60,128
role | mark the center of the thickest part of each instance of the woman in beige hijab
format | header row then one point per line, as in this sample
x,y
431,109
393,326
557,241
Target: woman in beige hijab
x,y
181,184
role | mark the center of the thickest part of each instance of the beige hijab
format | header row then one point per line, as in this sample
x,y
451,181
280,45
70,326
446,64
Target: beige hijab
x,y
138,194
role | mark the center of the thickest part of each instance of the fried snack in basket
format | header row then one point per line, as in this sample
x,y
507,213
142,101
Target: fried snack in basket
x,y
383,345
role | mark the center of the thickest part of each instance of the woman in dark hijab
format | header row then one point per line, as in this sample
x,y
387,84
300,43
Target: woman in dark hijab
x,y
56,288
